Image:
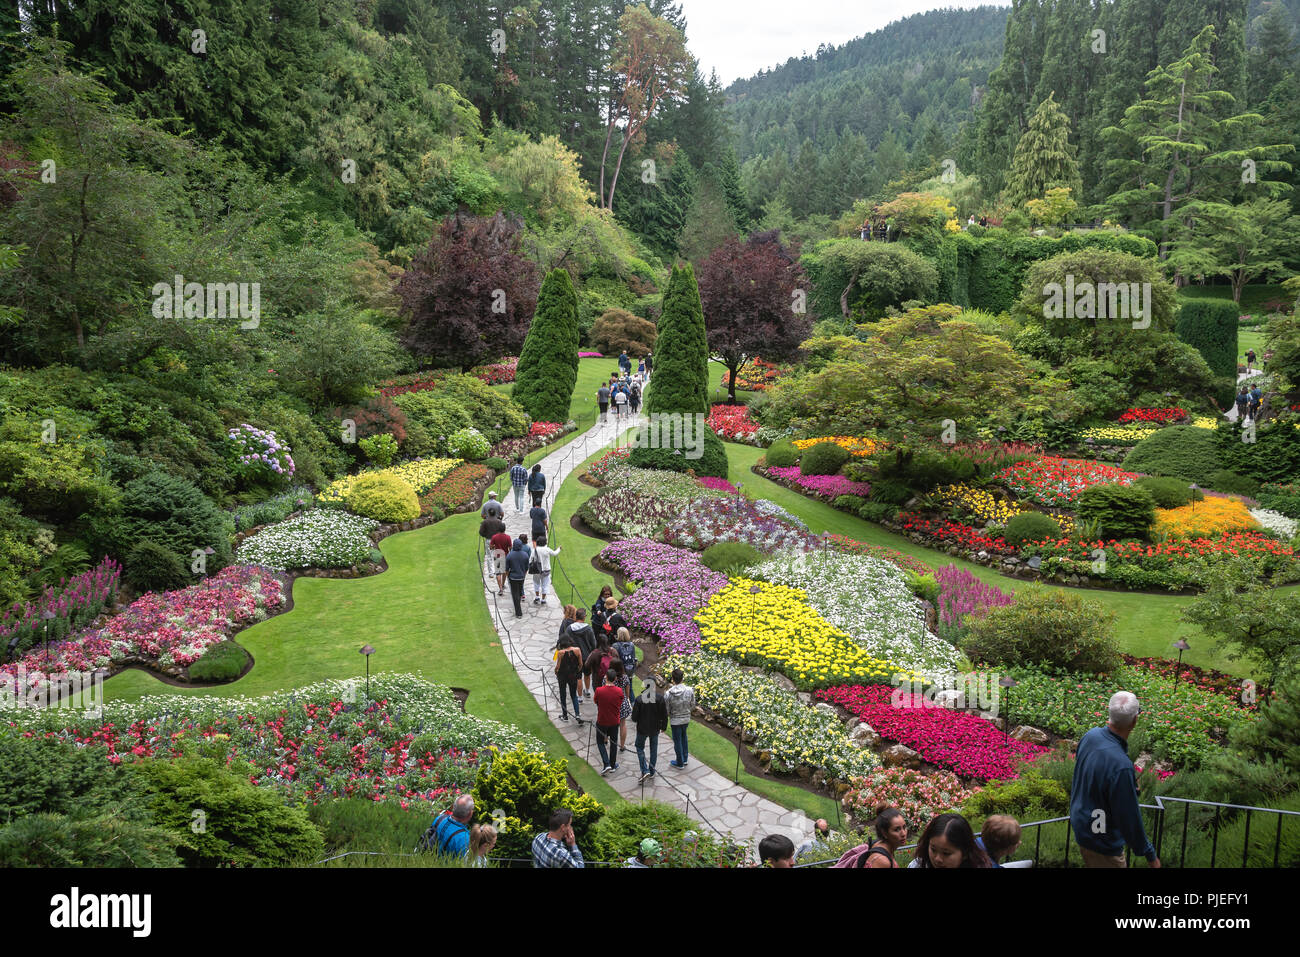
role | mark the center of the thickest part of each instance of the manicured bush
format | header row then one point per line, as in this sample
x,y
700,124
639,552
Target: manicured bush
x,y
1210,325
681,366
1180,451
431,417
713,460
782,454
491,412
379,449
171,512
1030,527
619,331
385,498
1169,492
468,444
1234,484
824,458
1032,789
154,567
1120,511
548,362
877,511
1055,629
105,840
730,558
922,470
224,661
496,464
528,787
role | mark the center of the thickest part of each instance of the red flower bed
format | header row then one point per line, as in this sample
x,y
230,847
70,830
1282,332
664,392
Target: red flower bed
x,y
1157,416
454,490
421,383
948,532
1057,481
1233,543
498,372
546,431
732,422
955,740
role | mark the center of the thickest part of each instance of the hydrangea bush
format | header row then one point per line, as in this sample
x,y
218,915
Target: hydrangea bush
x,y
257,455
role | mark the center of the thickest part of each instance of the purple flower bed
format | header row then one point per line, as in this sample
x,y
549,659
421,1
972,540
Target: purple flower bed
x,y
74,604
762,524
962,595
672,586
827,485
718,484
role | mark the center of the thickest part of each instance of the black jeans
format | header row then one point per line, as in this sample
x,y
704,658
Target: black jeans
x,y
537,497
517,594
569,685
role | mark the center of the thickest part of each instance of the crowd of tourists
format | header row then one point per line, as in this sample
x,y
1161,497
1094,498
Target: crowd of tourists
x,y
623,390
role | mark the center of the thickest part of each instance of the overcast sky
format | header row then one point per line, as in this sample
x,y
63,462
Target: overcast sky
x,y
740,37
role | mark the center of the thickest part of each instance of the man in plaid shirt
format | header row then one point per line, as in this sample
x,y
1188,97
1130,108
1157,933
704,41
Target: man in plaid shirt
x,y
519,481
559,847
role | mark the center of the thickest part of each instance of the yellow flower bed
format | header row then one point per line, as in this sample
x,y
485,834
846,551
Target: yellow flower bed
x,y
775,628
421,475
986,508
1211,517
1131,433
859,445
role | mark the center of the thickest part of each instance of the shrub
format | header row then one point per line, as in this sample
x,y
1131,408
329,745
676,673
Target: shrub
x,y
274,509
106,840
154,567
1210,326
375,416
824,458
890,492
619,331
379,449
1234,484
1272,456
385,498
877,511
548,362
59,777
528,787
730,558
617,836
224,661
1030,527
360,824
1168,492
925,469
712,462
171,512
468,444
1180,451
1052,628
1120,511
431,418
1032,789
1281,498
849,503
491,412
782,454
496,464
244,825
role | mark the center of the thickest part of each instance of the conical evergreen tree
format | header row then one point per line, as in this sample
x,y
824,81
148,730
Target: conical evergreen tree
x,y
680,382
548,362
1044,158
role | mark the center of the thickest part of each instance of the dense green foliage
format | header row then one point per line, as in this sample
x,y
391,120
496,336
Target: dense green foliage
x,y
528,787
1169,492
548,362
824,458
170,512
782,454
731,558
1211,327
1180,451
1048,628
383,497
1120,511
1270,453
681,352
1031,527
224,661
712,460
150,566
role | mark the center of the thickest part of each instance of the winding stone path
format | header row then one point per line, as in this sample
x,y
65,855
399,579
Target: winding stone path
x,y
704,794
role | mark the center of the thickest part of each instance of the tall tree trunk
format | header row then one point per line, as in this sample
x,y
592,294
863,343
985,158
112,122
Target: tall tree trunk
x,y
618,166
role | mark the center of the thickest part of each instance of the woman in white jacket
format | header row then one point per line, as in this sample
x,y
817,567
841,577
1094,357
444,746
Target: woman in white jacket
x,y
542,554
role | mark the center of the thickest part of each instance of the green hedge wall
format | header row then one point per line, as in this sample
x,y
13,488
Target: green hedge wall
x,y
1210,326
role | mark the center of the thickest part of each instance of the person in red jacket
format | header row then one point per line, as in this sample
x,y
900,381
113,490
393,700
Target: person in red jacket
x,y
500,543
609,703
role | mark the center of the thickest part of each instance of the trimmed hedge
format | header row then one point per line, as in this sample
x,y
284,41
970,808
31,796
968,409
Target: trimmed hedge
x,y
1168,492
154,567
824,458
782,454
1273,456
223,661
1121,511
1210,326
712,462
681,360
730,557
385,498
1030,527
548,363
1180,451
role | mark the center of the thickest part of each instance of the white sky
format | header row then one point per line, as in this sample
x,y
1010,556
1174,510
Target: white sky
x,y
740,37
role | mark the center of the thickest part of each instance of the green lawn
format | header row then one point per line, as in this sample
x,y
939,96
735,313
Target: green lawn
x,y
1250,340
591,373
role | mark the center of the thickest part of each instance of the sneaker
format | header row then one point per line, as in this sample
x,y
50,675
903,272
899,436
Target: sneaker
x,y
614,768
673,764
642,778
605,770
536,601
520,615
564,717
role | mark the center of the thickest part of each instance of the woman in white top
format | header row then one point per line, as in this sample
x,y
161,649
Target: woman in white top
x,y
542,580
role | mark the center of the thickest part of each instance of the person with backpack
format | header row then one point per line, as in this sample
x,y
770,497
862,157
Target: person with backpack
x,y
634,397
625,363
681,699
626,652
609,702
517,572
620,400
1256,400
537,484
597,663
624,684
598,608
602,400
891,834
519,482
540,568
650,716
568,669
586,639
1243,403
613,620
500,544
449,833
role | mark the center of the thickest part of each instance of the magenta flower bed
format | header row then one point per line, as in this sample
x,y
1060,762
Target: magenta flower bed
x,y
962,595
672,586
718,484
161,629
75,604
590,355
955,740
827,485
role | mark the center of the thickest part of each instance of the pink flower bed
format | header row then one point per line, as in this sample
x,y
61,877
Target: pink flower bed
x,y
956,740
732,422
827,486
498,372
160,629
74,604
546,431
672,586
718,484
590,355
962,596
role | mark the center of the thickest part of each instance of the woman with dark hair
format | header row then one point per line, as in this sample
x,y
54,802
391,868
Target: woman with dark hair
x,y
949,842
891,832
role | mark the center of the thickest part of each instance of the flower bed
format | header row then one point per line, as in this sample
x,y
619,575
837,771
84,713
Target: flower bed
x,y
860,446
777,629
918,795
1058,481
732,422
75,604
891,555
950,533
497,373
1275,522
958,741
1207,679
1207,519
717,485
605,467
1158,416
762,524
672,585
163,630
867,598
420,382
540,435
638,502
457,490
1182,721
823,486
787,733
983,506
320,538
590,355
411,744
421,474
962,596
757,375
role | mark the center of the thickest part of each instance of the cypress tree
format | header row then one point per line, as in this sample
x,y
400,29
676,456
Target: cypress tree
x,y
681,349
548,362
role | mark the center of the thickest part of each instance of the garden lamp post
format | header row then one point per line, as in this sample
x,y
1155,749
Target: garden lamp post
x,y
826,541
1181,646
1193,489
47,616
739,486
367,650
1008,682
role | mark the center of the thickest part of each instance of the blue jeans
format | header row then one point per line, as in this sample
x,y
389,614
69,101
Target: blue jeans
x,y
520,491
679,742
611,732
641,739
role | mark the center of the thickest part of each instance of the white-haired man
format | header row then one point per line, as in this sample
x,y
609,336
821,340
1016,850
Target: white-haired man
x,y
449,833
1104,811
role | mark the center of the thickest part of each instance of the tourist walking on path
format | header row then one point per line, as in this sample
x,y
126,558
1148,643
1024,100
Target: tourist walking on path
x,y
650,716
609,702
570,616
598,609
948,842
558,846
634,397
490,526
1104,812
626,652
586,639
649,364
1243,403
501,543
519,482
620,400
449,832
517,572
537,515
624,684
537,484
1256,400
1250,360
597,663
602,400
681,699
625,363
568,668
640,368
614,622
542,555
492,508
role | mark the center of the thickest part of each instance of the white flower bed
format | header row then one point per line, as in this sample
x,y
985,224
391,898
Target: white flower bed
x,y
320,538
867,598
1276,522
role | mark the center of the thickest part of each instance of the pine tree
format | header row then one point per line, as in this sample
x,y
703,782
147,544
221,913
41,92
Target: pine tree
x,y
681,350
1044,158
548,362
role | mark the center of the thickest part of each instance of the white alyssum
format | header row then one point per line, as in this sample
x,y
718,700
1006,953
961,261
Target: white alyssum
x,y
320,538
1276,522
